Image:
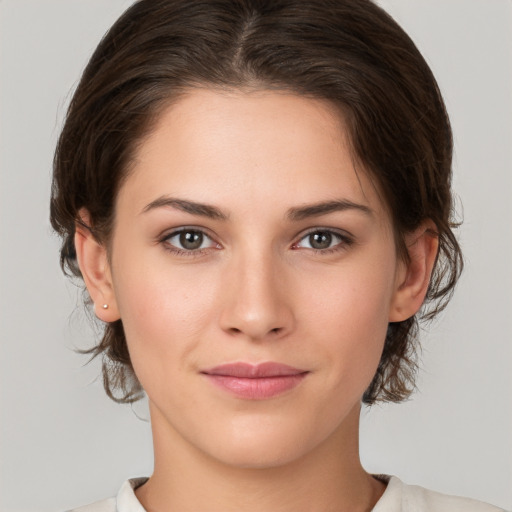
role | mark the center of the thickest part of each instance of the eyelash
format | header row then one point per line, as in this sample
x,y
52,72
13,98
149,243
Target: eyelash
x,y
165,240
344,241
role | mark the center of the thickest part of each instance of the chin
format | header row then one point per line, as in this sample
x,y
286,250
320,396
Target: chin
x,y
258,456
262,444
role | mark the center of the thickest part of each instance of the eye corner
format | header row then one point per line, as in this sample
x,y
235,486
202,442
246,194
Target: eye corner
x,y
188,241
329,240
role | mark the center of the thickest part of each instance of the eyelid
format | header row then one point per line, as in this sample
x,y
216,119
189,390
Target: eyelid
x,y
347,238
168,234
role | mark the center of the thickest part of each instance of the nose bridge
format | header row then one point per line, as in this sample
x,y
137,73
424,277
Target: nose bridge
x,y
258,304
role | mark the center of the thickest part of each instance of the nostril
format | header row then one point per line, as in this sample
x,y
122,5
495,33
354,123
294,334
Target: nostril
x,y
275,330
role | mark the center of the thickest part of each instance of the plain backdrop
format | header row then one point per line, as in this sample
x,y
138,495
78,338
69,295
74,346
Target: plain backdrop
x,y
63,443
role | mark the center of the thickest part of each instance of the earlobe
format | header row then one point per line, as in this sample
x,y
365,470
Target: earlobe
x,y
413,277
93,262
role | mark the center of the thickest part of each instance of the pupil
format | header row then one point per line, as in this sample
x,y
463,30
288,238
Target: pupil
x,y
191,239
320,240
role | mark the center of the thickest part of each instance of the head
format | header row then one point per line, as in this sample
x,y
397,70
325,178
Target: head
x,y
349,56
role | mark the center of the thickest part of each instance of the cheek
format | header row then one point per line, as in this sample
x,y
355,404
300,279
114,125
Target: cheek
x,y
353,299
163,313
350,312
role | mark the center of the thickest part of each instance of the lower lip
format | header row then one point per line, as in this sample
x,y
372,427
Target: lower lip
x,y
257,388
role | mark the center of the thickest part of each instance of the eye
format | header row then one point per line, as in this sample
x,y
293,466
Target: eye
x,y
323,240
189,240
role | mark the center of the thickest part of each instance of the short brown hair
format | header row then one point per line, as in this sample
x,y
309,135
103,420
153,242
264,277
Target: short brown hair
x,y
349,52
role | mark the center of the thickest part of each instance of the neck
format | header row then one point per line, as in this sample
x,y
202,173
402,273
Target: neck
x,y
330,477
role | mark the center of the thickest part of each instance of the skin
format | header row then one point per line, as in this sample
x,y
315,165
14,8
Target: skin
x,y
256,290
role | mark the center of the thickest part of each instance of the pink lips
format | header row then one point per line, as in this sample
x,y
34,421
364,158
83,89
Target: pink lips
x,y
256,382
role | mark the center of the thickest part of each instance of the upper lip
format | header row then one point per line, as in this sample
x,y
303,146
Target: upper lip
x,y
254,371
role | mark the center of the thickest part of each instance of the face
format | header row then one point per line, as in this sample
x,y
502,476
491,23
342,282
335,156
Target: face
x,y
255,273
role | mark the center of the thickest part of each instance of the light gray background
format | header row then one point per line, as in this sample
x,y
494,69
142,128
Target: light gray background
x,y
63,443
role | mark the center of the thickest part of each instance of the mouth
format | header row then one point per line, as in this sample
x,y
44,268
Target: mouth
x,y
255,382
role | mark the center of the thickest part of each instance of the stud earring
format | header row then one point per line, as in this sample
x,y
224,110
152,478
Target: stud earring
x,y
105,306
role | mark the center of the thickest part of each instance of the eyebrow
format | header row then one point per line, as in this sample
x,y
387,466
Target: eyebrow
x,y
203,210
323,208
294,214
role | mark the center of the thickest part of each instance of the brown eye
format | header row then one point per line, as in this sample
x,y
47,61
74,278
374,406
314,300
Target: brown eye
x,y
324,240
191,240
320,240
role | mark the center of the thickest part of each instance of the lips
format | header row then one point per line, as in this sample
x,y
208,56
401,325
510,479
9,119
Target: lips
x,y
255,382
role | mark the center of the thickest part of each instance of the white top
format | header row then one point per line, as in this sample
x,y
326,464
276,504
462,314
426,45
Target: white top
x,y
398,497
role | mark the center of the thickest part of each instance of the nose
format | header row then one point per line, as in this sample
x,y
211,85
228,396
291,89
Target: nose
x,y
258,301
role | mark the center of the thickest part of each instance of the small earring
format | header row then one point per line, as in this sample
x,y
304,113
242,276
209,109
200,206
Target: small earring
x,y
105,306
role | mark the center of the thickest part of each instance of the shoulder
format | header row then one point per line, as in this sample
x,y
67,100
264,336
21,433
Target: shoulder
x,y
125,501
402,497
108,505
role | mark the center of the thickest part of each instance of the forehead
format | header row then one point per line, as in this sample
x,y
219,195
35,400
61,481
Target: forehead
x,y
235,148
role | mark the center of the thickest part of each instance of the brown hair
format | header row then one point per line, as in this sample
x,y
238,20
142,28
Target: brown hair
x,y
349,52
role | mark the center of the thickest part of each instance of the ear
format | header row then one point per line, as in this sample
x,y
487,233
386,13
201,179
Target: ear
x,y
94,265
413,277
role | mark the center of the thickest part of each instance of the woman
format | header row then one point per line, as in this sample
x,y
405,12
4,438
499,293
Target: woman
x,y
257,196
